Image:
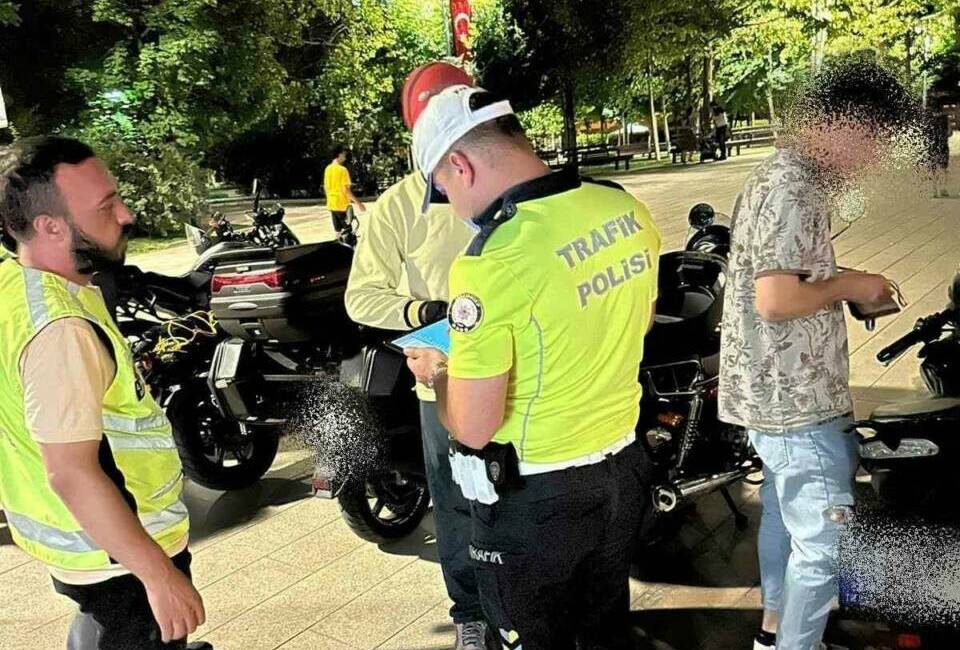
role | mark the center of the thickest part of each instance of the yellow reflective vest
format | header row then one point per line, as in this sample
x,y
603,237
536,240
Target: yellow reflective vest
x,y
135,428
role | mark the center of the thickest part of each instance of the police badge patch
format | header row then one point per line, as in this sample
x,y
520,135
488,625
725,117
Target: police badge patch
x,y
466,313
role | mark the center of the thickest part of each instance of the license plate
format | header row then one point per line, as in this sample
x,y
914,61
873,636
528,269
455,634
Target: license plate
x,y
325,487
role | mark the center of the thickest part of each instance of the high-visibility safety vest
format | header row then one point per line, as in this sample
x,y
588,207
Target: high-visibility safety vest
x,y
135,428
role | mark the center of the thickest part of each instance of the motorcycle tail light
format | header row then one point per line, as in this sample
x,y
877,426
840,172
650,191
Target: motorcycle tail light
x,y
909,448
670,419
909,641
273,279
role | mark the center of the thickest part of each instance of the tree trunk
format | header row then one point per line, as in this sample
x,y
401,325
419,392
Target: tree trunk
x,y
773,117
707,92
908,62
666,122
569,124
818,12
653,116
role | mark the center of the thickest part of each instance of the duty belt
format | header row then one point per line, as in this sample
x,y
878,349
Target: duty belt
x,y
486,473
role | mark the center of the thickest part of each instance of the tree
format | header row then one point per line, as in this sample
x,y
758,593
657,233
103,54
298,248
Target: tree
x,y
549,48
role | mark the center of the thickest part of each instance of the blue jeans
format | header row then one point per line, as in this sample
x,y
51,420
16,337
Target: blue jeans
x,y
805,472
451,514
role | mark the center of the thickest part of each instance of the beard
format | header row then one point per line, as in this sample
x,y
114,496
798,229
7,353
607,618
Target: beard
x,y
89,257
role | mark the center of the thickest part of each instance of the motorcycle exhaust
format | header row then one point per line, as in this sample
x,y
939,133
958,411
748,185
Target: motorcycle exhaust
x,y
667,497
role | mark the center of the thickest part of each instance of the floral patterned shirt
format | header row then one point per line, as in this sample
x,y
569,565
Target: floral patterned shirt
x,y
781,376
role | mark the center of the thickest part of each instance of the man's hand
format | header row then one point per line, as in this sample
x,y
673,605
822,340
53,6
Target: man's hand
x,y
176,605
423,363
866,288
75,474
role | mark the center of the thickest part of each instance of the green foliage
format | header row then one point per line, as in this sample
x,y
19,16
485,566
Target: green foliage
x,y
157,181
8,13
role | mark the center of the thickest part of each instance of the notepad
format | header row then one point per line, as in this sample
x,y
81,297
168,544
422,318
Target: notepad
x,y
436,336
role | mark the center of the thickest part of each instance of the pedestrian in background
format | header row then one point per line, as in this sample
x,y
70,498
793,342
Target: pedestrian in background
x,y
338,187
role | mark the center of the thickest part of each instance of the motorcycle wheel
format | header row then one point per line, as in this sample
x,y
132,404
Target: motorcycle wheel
x,y
218,453
385,507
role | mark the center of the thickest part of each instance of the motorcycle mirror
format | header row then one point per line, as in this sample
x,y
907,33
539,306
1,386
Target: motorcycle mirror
x,y
701,215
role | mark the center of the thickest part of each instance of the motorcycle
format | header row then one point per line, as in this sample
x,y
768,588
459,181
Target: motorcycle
x,y
268,230
897,549
693,452
235,348
909,448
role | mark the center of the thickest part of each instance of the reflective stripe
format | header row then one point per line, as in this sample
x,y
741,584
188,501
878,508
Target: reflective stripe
x,y
133,425
78,541
166,487
60,540
536,396
33,280
157,522
127,442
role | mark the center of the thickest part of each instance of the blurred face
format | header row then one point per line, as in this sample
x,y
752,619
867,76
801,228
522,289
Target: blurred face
x,y
342,158
844,147
100,223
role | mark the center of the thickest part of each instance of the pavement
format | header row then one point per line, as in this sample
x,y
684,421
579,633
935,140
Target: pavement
x,y
280,570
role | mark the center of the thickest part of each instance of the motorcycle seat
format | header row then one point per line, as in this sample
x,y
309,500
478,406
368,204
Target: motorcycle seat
x,y
931,408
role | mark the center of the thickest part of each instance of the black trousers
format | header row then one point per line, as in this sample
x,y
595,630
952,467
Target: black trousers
x,y
722,136
339,219
122,618
553,558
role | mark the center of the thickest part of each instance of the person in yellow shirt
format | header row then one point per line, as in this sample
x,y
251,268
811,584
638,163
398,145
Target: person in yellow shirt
x,y
549,307
337,187
398,281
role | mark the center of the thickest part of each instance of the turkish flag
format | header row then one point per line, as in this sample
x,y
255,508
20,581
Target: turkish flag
x,y
461,15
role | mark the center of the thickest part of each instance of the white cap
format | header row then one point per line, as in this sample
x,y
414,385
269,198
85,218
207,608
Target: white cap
x,y
447,118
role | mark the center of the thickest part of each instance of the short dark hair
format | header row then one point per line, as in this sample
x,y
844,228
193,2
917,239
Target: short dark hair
x,y
857,88
339,149
504,127
27,188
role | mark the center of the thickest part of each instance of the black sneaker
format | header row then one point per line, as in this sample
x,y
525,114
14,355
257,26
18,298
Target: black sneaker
x,y
765,641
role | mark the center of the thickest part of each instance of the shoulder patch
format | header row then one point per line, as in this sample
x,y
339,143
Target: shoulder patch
x,y
466,313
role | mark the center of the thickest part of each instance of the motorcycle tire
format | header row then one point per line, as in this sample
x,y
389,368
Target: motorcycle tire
x,y
205,439
366,520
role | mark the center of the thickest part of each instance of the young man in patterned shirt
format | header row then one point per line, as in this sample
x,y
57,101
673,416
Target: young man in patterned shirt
x,y
784,367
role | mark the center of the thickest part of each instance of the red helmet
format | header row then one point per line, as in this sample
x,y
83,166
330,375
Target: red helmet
x,y
426,81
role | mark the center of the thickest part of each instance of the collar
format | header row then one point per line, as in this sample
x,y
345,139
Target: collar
x,y
505,206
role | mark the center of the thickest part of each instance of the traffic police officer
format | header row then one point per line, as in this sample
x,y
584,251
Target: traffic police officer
x,y
90,479
549,308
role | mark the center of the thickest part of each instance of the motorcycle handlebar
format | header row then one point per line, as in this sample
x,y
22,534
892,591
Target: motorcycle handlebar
x,y
926,330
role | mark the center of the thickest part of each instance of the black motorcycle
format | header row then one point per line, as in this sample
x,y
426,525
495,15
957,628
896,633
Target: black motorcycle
x,y
693,452
898,549
910,448
268,229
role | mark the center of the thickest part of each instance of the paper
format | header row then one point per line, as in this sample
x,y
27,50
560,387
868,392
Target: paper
x,y
432,336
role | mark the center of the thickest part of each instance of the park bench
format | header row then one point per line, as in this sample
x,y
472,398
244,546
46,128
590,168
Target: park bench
x,y
749,136
591,155
603,155
684,143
